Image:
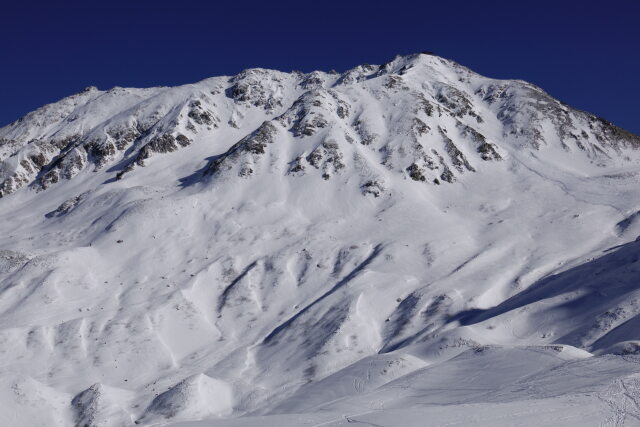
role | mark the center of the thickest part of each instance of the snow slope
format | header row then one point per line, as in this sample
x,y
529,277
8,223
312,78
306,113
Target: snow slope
x,y
392,243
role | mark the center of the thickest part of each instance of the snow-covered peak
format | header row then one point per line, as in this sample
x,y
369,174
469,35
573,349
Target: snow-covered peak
x,y
273,243
446,110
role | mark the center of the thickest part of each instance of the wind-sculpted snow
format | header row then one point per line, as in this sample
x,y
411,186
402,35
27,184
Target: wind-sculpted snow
x,y
396,243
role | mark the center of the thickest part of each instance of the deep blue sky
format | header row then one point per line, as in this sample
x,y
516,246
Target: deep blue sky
x,y
585,53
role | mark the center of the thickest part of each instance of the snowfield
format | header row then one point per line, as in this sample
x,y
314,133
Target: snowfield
x,y
396,245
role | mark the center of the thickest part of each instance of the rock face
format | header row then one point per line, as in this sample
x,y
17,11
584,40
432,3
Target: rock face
x,y
303,246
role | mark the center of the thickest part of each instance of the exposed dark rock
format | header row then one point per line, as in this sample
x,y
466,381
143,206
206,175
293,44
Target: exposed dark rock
x,y
12,184
455,101
306,116
447,175
487,150
309,127
86,406
422,104
67,206
367,137
457,158
123,137
343,109
395,82
182,140
253,144
312,81
164,143
416,173
38,159
65,167
314,158
328,157
26,165
126,170
357,74
419,127
373,188
101,152
201,116
248,87
608,132
296,167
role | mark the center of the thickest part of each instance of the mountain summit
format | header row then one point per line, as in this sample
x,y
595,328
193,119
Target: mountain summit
x,y
395,242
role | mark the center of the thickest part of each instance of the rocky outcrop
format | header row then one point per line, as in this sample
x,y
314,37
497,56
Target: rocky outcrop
x,y
244,153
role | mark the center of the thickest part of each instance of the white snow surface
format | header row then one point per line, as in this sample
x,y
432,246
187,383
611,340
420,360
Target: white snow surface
x,y
404,244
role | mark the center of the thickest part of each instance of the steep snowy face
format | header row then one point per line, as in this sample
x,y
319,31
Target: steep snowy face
x,y
243,244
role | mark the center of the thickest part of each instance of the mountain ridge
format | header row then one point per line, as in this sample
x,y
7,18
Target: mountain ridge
x,y
138,124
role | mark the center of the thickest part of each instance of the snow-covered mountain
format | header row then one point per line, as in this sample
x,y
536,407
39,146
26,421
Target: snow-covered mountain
x,y
391,243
